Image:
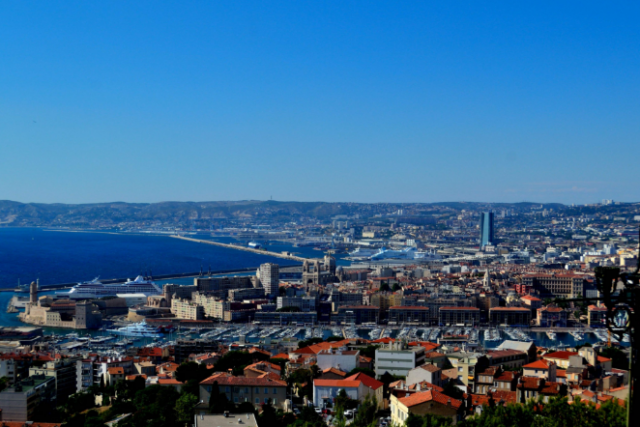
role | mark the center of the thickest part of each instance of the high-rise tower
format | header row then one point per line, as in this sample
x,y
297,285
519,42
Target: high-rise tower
x,y
486,229
270,278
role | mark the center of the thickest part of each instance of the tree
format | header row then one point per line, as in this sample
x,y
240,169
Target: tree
x,y
192,371
618,357
428,420
268,416
185,407
342,400
4,381
452,391
218,402
395,287
384,287
366,413
237,361
369,351
554,413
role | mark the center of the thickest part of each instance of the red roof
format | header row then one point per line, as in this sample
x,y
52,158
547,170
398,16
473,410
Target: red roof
x,y
426,396
538,364
460,308
565,355
223,379
117,370
169,381
366,380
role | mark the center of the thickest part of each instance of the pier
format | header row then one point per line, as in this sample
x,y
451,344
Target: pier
x,y
244,248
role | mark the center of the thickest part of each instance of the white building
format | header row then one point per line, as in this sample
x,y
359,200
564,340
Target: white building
x,y
357,387
427,372
398,359
342,359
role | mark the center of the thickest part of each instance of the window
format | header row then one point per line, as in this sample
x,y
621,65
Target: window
x,y
209,388
275,402
246,389
275,390
266,400
227,389
235,399
266,390
257,400
257,390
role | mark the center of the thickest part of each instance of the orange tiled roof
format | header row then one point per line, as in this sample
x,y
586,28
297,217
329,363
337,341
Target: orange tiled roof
x,y
224,379
564,355
366,380
426,396
116,370
335,371
538,364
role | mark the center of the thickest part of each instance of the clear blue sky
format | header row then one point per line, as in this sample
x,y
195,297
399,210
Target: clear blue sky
x,y
321,100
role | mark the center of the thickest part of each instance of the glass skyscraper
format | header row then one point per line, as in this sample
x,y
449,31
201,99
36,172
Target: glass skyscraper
x,y
486,229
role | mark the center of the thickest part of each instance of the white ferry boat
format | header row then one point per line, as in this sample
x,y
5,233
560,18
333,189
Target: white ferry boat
x,y
362,253
94,289
141,330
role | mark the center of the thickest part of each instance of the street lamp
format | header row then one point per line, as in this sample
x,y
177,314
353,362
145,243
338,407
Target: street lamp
x,y
620,293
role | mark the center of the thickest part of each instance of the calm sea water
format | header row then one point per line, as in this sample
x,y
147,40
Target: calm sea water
x,y
27,254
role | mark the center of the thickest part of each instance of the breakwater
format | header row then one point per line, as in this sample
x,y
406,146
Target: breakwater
x,y
244,248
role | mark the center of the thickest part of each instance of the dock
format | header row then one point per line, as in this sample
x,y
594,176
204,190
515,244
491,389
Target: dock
x,y
243,248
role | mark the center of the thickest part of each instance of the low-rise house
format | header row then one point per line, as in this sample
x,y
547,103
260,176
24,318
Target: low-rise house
x,y
261,368
242,389
527,347
427,372
507,358
332,374
341,358
114,375
540,369
423,403
538,388
357,387
467,365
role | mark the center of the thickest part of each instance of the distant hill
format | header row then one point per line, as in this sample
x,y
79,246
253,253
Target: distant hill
x,y
180,213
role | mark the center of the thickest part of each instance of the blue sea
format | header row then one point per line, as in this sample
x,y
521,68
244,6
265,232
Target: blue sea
x,y
27,254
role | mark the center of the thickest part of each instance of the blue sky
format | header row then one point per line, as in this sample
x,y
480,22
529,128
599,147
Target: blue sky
x,y
324,100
